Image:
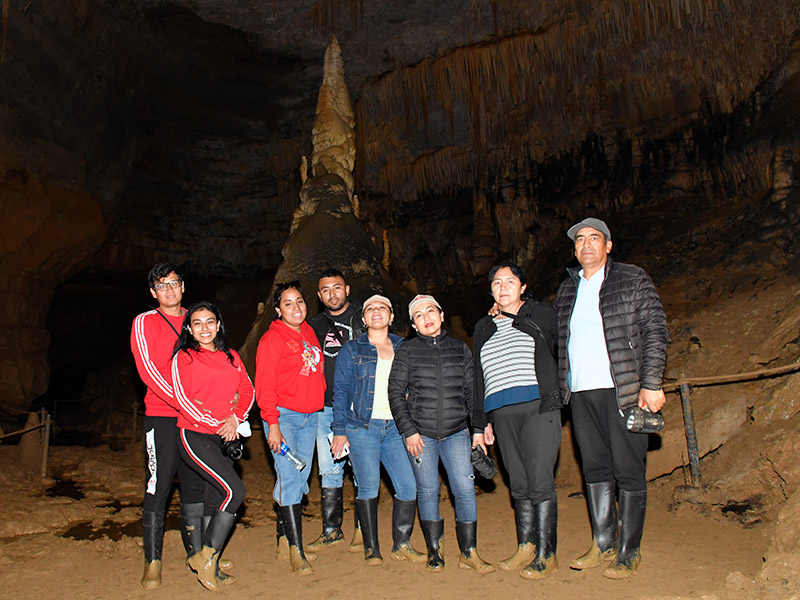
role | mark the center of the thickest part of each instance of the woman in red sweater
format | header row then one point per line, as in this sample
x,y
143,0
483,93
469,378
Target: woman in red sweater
x,y
290,389
214,397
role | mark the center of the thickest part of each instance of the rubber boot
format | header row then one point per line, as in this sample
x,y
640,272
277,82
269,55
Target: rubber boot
x,y
403,513
467,532
282,543
332,514
434,540
205,562
357,543
526,542
368,514
631,524
544,564
152,539
293,527
192,533
222,564
603,514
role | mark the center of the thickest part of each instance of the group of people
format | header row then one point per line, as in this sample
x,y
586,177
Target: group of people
x,y
342,384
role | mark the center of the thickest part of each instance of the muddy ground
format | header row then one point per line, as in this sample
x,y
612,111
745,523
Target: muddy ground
x,y
76,533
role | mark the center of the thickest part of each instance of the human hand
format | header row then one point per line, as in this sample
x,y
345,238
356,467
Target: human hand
x,y
494,311
275,438
414,444
652,400
338,445
227,431
478,440
488,434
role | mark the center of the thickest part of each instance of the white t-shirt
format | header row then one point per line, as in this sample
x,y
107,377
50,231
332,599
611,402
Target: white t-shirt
x,y
380,400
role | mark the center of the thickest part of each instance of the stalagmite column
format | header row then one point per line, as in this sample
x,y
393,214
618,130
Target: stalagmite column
x,y
325,231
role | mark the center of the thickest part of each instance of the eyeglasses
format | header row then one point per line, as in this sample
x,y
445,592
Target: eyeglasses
x,y
172,283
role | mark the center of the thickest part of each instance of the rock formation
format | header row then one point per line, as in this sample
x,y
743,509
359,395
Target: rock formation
x,y
48,234
325,232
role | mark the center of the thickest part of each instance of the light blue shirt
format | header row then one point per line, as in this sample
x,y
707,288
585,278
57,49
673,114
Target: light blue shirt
x,y
589,365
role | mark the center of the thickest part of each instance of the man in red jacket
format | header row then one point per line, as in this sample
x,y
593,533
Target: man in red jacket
x,y
153,338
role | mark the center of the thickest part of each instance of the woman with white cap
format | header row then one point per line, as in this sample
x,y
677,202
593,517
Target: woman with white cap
x,y
362,418
430,392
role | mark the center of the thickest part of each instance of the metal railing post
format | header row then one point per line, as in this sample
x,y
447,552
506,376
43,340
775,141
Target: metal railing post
x,y
691,435
46,443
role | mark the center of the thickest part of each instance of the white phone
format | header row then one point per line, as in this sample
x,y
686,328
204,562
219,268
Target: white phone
x,y
345,450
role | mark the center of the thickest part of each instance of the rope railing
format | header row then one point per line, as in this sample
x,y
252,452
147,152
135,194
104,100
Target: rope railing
x,y
684,386
45,423
737,378
21,431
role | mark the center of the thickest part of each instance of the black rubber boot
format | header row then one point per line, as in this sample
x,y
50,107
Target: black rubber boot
x,y
403,513
467,533
152,539
603,514
332,511
205,562
526,539
631,525
192,528
368,514
544,562
357,543
222,564
282,544
434,540
292,517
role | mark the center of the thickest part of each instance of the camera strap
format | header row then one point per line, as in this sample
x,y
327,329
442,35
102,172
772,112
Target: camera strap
x,y
171,326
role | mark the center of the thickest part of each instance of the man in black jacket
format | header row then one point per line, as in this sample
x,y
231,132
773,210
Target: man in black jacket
x,y
612,336
340,322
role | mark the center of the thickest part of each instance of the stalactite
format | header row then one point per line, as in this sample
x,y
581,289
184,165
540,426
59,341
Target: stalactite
x,y
544,88
324,14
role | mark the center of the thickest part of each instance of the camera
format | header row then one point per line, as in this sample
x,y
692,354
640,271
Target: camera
x,y
643,421
232,449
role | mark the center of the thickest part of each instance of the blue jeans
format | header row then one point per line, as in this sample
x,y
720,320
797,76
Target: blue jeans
x,y
299,430
330,470
455,451
380,443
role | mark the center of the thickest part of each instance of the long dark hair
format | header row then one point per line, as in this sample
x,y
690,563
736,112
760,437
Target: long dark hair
x,y
186,340
282,287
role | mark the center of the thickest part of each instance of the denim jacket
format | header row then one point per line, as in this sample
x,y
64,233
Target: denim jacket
x,y
354,383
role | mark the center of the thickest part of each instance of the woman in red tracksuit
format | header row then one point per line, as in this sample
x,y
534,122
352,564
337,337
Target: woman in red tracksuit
x,y
214,396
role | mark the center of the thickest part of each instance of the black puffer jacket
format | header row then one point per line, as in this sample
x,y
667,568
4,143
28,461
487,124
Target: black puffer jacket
x,y
635,328
538,320
436,372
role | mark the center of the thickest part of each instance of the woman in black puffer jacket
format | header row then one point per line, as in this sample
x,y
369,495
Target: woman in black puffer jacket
x,y
430,394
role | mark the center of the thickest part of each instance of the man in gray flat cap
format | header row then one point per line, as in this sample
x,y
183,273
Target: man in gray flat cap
x,y
612,334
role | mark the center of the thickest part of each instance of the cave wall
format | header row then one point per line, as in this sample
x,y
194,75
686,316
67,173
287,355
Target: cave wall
x,y
151,130
49,233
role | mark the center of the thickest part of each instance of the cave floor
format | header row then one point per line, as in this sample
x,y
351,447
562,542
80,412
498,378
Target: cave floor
x,y
688,551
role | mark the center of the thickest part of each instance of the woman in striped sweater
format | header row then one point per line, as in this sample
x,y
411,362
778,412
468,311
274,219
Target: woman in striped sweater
x,y
516,383
214,397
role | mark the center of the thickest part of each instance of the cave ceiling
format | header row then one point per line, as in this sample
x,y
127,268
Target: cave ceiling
x,y
186,119
133,131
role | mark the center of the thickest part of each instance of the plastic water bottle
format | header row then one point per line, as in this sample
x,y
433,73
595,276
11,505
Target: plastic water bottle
x,y
293,457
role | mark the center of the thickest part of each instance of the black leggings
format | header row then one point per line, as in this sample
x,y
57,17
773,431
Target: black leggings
x,y
161,449
529,444
224,488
